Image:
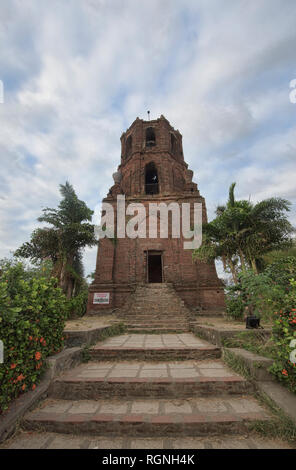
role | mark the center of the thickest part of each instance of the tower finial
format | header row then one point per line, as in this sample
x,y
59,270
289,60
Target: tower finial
x,y
148,112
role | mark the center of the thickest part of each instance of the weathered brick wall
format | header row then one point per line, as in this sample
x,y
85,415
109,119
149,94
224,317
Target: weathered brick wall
x,y
122,265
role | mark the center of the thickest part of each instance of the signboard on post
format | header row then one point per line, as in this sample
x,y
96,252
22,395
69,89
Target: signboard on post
x,y
101,298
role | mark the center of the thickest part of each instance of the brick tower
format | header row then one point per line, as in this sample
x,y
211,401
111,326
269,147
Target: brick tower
x,y
152,169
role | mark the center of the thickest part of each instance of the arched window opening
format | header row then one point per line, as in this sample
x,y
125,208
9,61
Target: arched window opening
x,y
173,144
128,146
151,179
150,137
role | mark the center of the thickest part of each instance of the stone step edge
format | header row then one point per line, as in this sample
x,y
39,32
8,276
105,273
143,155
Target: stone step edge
x,y
186,424
156,325
152,330
256,365
77,338
181,349
73,388
158,321
154,354
153,380
217,336
155,322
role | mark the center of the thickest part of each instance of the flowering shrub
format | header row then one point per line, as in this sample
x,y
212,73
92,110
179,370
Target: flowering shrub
x,y
32,317
284,331
273,290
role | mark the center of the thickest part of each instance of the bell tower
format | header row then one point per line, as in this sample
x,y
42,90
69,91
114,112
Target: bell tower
x,y
152,170
152,160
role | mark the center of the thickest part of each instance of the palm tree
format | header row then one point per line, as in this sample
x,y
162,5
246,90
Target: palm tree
x,y
276,255
69,232
245,232
218,244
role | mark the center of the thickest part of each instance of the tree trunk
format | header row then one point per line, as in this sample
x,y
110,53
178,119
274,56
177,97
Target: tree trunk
x,y
254,265
242,259
233,271
66,283
224,262
69,288
69,278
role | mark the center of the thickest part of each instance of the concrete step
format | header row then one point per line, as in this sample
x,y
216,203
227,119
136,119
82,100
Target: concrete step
x,y
156,297
155,322
145,309
154,318
148,417
155,330
155,354
98,380
161,347
211,313
48,440
151,316
155,301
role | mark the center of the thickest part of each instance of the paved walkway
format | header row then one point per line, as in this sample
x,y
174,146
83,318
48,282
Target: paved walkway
x,y
148,341
143,369
35,440
154,346
148,400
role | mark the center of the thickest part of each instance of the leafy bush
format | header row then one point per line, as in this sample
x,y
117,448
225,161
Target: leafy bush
x,y
272,295
32,316
284,331
255,341
282,270
77,305
234,305
259,292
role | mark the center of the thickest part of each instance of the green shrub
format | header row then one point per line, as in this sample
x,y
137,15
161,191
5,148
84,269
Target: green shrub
x,y
32,318
284,331
77,305
272,294
234,307
282,270
255,341
261,292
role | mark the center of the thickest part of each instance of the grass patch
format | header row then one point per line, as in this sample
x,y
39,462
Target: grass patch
x,y
255,341
280,427
200,334
113,330
85,354
236,363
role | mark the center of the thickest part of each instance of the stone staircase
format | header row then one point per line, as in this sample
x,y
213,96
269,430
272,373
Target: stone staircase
x,y
155,308
149,391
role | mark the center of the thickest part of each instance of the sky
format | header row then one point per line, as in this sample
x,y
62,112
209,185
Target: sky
x,y
77,73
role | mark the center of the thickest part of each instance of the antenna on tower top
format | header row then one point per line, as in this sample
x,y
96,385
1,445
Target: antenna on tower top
x,y
148,112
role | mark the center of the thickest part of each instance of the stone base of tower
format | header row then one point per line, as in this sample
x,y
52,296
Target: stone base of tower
x,y
103,298
204,297
212,298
